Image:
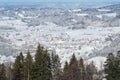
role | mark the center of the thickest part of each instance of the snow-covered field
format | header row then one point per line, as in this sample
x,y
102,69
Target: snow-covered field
x,y
98,62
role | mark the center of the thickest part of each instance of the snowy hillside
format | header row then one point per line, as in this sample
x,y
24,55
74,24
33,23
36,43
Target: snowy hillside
x,y
67,31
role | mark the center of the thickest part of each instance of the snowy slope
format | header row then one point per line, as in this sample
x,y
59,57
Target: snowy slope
x,y
65,31
98,61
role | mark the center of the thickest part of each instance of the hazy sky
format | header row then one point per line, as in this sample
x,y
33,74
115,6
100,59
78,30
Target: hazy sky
x,y
59,1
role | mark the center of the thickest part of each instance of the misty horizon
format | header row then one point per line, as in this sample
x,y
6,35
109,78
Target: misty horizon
x,y
56,4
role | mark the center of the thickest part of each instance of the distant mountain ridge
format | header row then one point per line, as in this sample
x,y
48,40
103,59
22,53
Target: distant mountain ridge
x,y
57,4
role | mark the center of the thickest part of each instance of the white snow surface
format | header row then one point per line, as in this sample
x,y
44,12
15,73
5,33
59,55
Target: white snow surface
x,y
98,62
111,14
81,14
104,10
4,59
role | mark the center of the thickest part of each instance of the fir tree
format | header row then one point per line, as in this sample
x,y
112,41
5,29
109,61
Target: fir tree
x,y
66,66
91,72
117,64
81,69
72,72
41,70
110,67
9,71
73,60
18,67
22,70
28,66
2,72
56,67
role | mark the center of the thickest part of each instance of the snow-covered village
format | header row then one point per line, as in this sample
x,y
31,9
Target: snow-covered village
x,y
68,31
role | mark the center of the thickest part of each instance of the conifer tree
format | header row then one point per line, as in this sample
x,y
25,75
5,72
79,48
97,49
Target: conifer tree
x,y
22,70
73,60
18,67
56,67
41,70
110,67
2,72
28,66
91,72
9,71
81,69
117,65
66,66
72,72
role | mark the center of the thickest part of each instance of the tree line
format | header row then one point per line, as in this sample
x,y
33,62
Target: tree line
x,y
47,66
